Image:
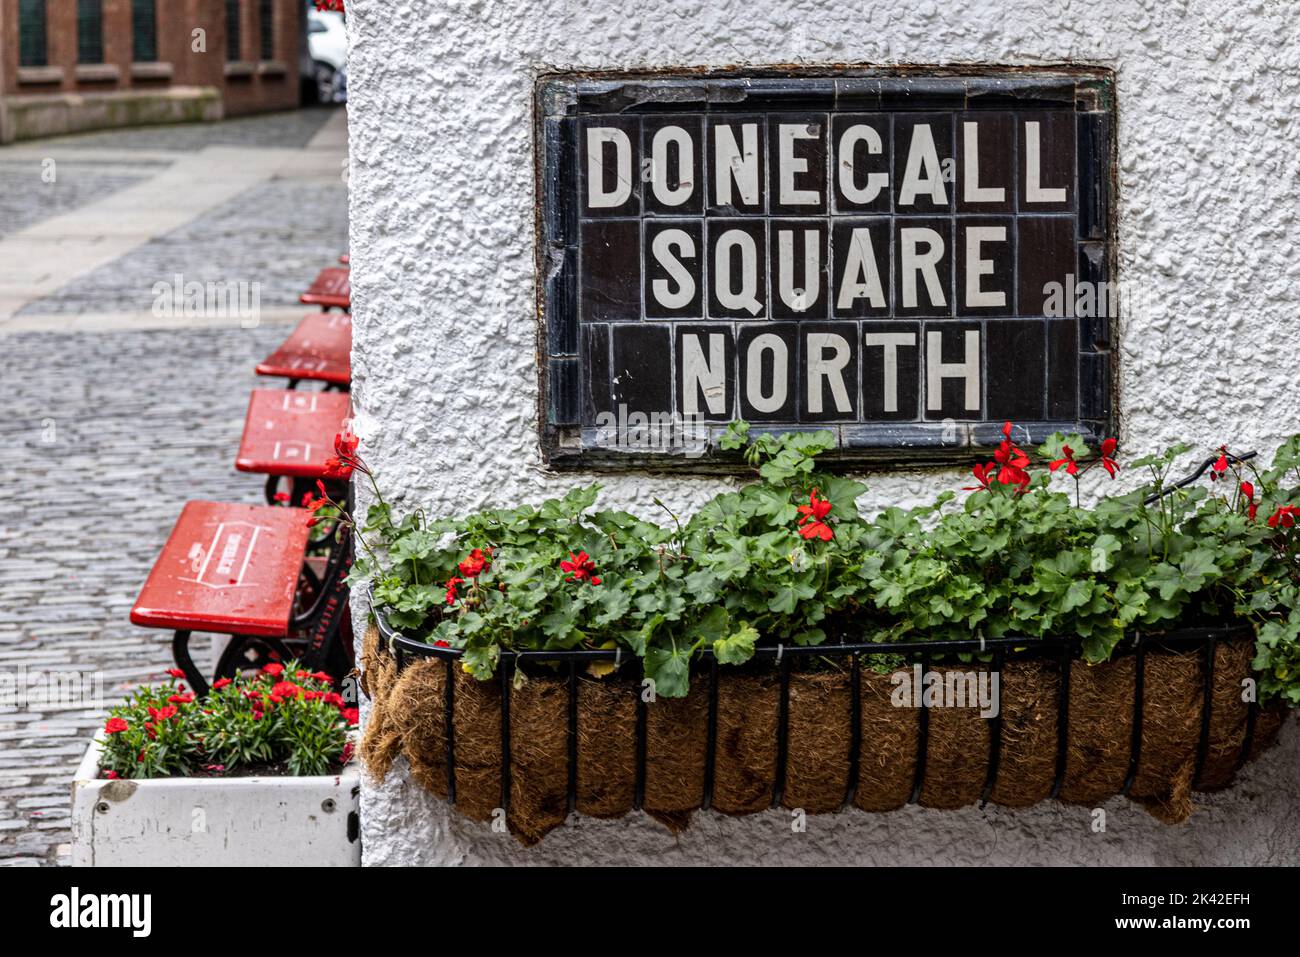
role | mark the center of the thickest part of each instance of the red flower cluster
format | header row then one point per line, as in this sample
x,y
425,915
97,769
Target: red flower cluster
x,y
1285,516
478,561
1248,492
344,460
335,5
451,589
116,725
811,524
1008,466
580,568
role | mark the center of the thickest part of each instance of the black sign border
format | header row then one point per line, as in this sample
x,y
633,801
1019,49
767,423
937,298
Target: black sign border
x,y
567,445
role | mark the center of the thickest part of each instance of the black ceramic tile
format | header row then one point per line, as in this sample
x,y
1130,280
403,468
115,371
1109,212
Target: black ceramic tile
x,y
596,391
1046,262
673,251
891,371
985,266
649,96
609,166
798,261
673,167
767,356
1047,186
737,268
771,93
1094,386
561,301
829,368
922,92
1096,301
983,93
564,392
986,175
860,147
1062,369
641,368
797,183
736,165
952,370
706,371
923,266
861,279
610,261
1094,174
922,145
560,143
1016,357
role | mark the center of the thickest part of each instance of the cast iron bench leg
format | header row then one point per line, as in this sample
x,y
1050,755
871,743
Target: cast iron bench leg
x,y
181,652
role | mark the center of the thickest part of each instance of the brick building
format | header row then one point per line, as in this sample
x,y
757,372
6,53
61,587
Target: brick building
x,y
71,65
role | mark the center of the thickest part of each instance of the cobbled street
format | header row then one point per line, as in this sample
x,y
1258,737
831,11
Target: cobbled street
x,y
117,416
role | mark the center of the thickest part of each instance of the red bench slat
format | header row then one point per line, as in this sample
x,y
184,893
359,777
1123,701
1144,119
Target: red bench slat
x,y
231,569
291,433
332,289
319,348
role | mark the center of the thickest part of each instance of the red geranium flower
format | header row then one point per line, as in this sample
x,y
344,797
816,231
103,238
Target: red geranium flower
x,y
475,564
176,672
334,698
336,468
984,475
1284,516
812,514
351,715
162,714
285,689
321,676
580,568
1012,461
1107,460
274,669
1071,466
115,725
181,698
451,588
220,683
1248,490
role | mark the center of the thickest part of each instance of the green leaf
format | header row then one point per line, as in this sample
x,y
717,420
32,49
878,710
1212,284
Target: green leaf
x,y
737,647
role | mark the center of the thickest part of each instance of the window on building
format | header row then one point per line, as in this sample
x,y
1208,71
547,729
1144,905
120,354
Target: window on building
x,y
234,31
144,31
267,15
90,31
31,33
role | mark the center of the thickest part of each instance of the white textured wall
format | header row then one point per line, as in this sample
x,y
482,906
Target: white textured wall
x,y
445,329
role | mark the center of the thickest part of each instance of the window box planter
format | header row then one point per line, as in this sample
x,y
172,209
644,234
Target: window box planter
x,y
216,821
1157,722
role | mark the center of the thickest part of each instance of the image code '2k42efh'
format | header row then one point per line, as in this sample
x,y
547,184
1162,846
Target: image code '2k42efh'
x,y
908,260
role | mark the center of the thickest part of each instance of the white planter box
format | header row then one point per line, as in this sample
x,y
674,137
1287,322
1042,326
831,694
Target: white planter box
x,y
222,822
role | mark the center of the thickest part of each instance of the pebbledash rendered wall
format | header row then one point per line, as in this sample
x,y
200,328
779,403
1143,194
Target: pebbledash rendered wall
x,y
445,349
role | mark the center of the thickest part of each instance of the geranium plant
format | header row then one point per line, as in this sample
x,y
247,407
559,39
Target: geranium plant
x,y
282,720
789,558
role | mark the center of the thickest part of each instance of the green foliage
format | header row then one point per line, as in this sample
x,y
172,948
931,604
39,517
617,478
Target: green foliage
x,y
284,718
769,563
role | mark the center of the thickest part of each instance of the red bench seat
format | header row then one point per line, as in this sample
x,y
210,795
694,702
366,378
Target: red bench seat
x,y
291,433
319,348
332,288
230,569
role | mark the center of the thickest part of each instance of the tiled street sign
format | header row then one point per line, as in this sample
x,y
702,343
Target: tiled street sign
x,y
908,260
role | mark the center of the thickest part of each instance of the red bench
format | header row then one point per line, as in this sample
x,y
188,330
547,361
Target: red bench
x,y
290,434
331,289
319,349
240,570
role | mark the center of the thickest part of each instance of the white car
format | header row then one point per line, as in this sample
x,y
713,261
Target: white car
x,y
327,42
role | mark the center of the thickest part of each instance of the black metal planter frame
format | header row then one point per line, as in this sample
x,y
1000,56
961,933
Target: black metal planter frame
x,y
1062,650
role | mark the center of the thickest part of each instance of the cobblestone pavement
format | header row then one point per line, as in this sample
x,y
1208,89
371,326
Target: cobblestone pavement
x,y
258,237
108,433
